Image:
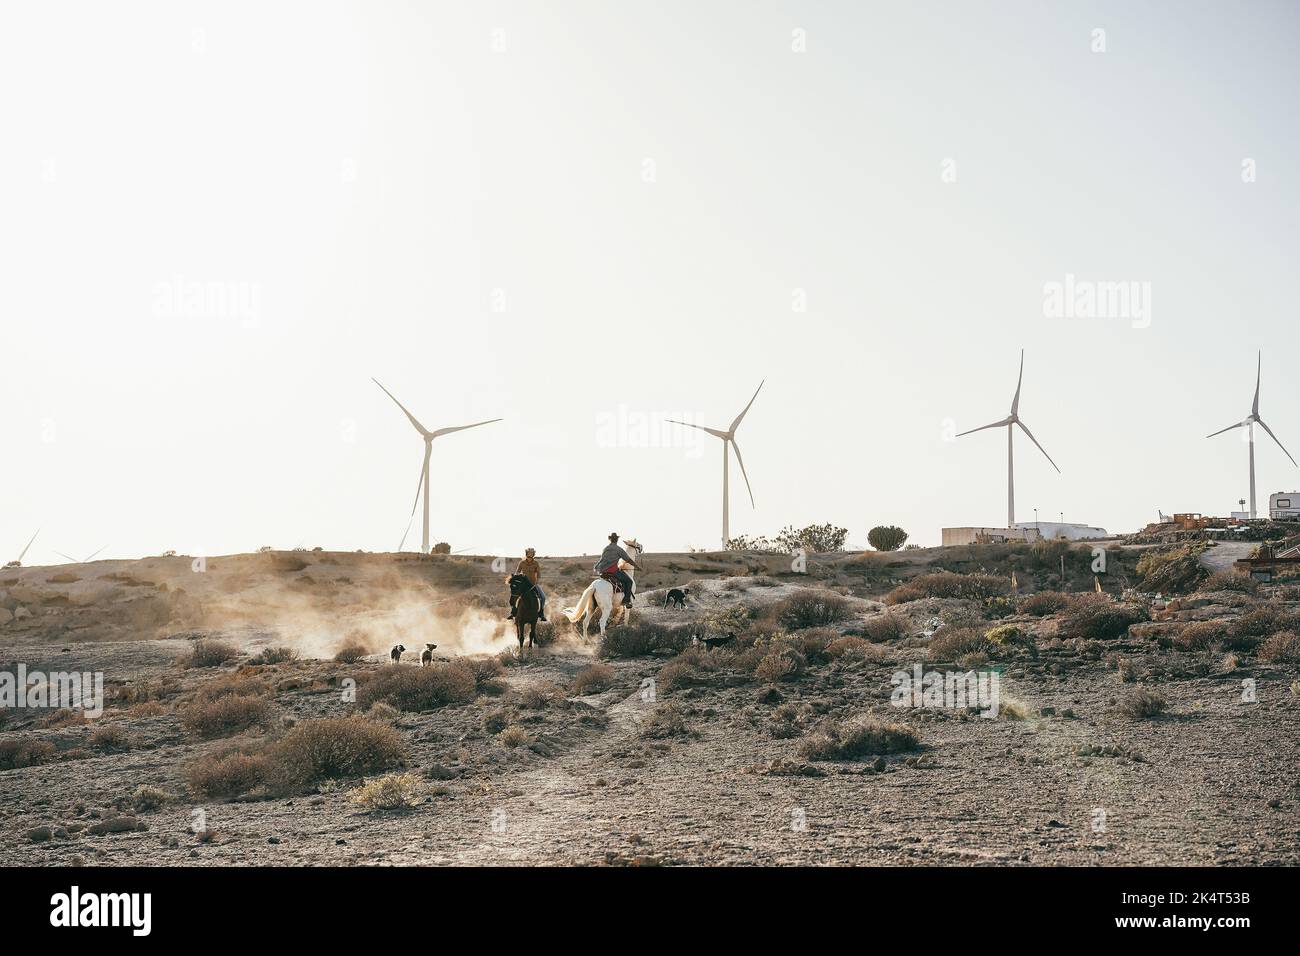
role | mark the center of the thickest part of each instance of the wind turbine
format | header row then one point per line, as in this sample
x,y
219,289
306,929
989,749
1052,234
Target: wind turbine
x,y
729,439
423,484
1010,422
1249,423
75,560
19,562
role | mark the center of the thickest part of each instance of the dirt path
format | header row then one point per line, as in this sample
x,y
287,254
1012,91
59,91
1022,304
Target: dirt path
x,y
1222,554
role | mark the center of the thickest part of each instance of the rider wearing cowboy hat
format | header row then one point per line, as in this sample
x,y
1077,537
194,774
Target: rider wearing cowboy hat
x,y
608,563
529,567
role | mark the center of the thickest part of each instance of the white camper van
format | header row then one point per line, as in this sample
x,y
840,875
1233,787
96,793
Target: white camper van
x,y
1284,506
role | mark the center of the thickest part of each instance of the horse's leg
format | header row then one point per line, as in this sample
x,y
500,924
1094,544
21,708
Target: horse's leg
x,y
605,609
519,632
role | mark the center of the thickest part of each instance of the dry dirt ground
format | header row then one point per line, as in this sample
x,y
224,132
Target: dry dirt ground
x,y
1061,777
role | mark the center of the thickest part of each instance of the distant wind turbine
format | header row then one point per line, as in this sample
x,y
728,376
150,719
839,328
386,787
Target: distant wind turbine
x,y
729,439
18,563
75,560
1249,423
1010,422
423,485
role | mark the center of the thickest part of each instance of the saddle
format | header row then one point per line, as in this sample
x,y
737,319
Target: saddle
x,y
614,582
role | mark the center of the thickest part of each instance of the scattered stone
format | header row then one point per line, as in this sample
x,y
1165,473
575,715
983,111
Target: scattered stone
x,y
39,834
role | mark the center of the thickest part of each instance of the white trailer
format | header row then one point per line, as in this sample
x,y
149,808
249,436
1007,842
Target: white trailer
x,y
1284,506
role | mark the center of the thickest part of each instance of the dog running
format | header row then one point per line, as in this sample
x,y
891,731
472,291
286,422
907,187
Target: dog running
x,y
676,597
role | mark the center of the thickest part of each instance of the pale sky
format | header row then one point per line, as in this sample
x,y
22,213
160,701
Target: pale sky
x,y
582,216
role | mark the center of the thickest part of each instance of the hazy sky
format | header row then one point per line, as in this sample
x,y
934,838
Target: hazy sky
x,y
219,220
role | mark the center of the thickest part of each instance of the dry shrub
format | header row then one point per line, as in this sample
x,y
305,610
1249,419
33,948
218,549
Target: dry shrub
x,y
1008,635
1044,603
1099,617
232,685
331,747
489,674
1264,620
691,668
811,608
784,664
148,798
592,679
812,643
862,737
276,655
224,715
384,712
947,584
227,704
110,737
666,720
21,752
496,720
210,653
391,793
419,688
1174,571
350,653
889,626
1141,703
905,594
515,736
854,648
227,775
1199,635
1282,647
1230,581
951,642
639,639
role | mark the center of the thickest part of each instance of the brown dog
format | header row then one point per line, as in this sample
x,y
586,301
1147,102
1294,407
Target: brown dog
x,y
426,655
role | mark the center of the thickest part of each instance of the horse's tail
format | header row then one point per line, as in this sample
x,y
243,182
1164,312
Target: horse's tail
x,y
584,604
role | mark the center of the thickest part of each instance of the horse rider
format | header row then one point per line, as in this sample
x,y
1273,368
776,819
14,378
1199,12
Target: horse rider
x,y
608,563
533,571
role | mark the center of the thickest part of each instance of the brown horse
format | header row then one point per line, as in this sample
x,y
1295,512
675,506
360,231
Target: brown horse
x,y
528,608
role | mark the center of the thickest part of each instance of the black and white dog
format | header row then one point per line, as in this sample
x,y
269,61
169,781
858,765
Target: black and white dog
x,y
677,597
396,652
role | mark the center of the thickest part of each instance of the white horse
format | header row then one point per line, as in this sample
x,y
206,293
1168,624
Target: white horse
x,y
601,592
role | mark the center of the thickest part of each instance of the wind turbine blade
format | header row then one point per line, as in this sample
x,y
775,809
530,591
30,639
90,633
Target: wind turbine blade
x,y
419,485
92,557
68,556
746,409
1035,441
1274,437
418,427
740,461
1259,366
460,428
29,544
1015,402
1241,424
409,521
1005,421
704,428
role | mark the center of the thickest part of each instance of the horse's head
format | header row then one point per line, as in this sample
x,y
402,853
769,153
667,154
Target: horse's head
x,y
519,584
634,544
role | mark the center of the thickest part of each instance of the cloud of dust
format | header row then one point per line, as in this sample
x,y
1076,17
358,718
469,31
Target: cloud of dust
x,y
319,620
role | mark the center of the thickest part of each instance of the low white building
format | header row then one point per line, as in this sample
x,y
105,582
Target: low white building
x,y
988,535
1069,531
